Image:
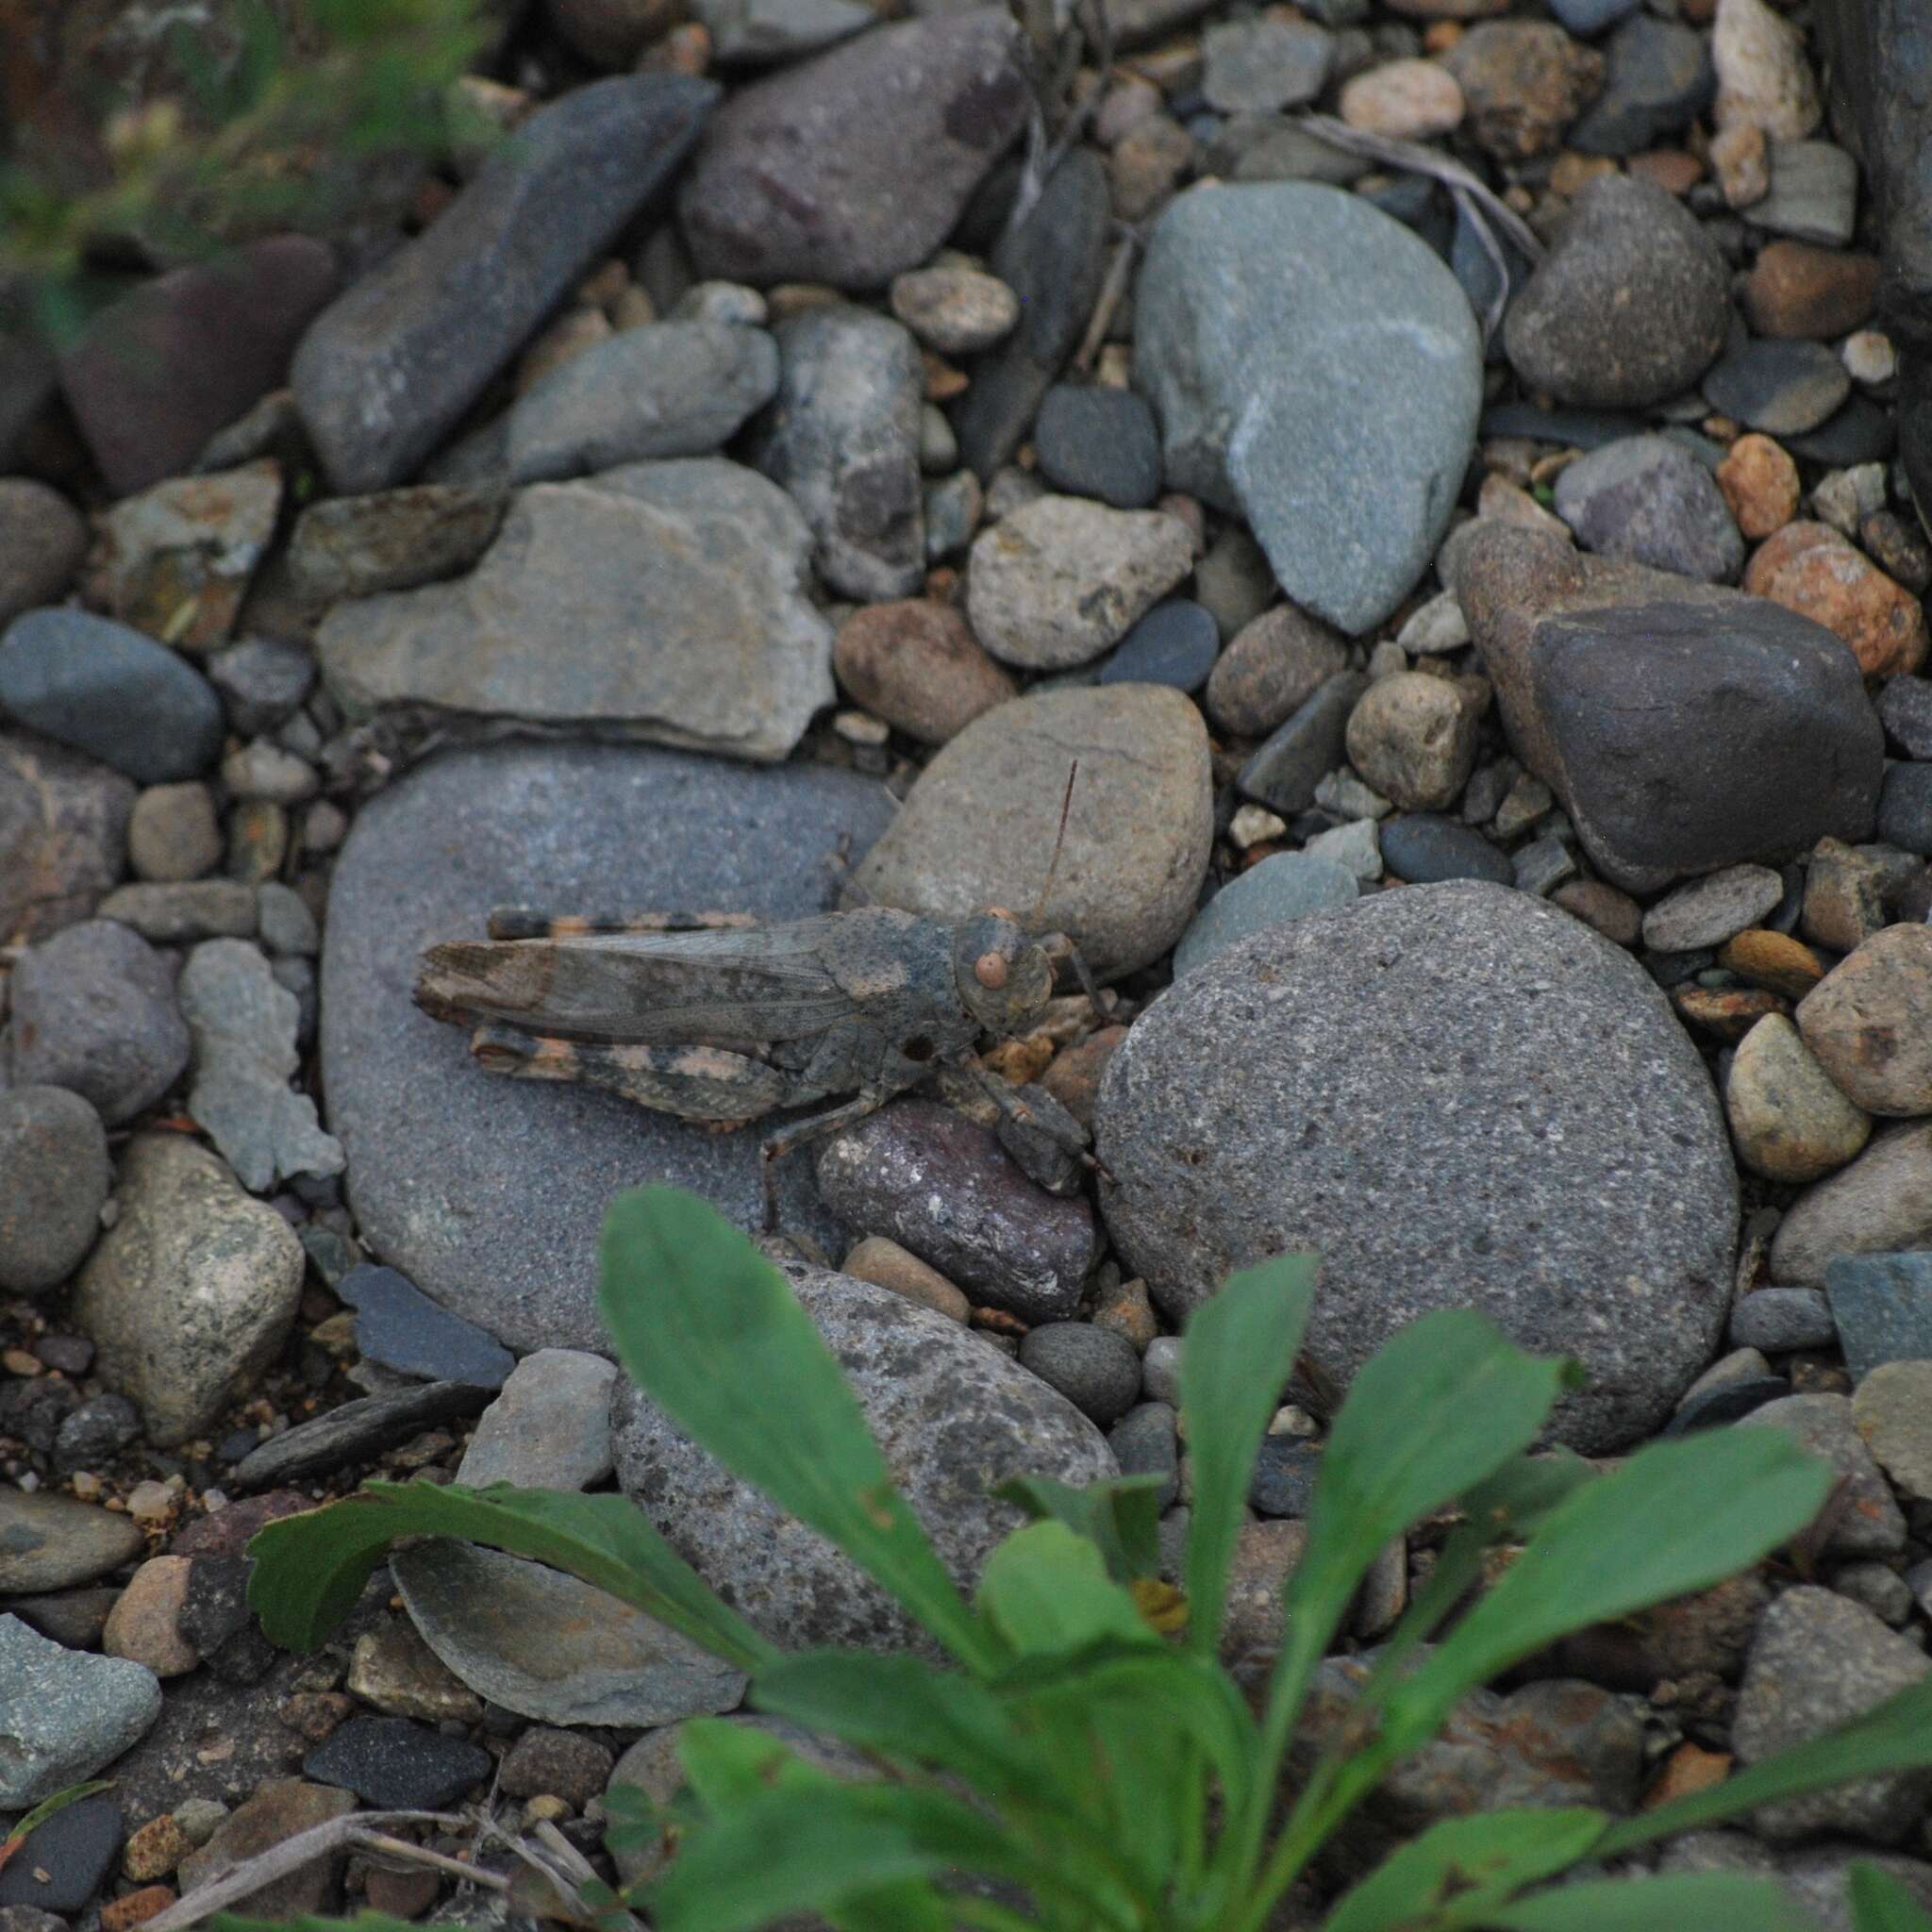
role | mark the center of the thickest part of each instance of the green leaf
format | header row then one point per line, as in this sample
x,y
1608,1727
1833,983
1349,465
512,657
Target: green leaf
x,y
1235,1359
1893,1735
310,1568
1881,1904
1469,1864
1045,1588
711,1332
1120,1515
1711,1900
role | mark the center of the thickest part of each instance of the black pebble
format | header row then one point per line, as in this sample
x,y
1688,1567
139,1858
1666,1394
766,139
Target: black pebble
x,y
394,1764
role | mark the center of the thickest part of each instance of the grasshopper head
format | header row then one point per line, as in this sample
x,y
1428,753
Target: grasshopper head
x,y
1005,979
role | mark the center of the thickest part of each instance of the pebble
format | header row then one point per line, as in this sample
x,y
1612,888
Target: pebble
x,y
1097,1371
1869,1021
1057,581
94,1011
953,309
1260,66
1055,262
1145,1442
1073,1078
1100,443
441,1194
1818,1660
765,32
1762,76
792,185
843,437
1288,767
71,1714
1657,81
1176,644
1813,194
50,1541
541,1644
174,561
1283,1484
1790,1121
549,1426
1774,960
287,925
243,1027
916,664
1524,81
1649,500
940,1186
1347,482
1867,1523
173,833
563,1764
1870,358
951,508
1404,100
1592,660
1843,900
1286,887
682,584
391,1763
1542,866
355,1432
1760,483
1356,845
157,373
394,1672
95,1433
1411,1229
359,546
189,1296
64,1863
952,1417
668,389
53,1177
1709,910
1904,708
444,313
184,911
1602,908
1905,807
63,824
1890,1410
43,542
277,1810
979,827
400,1327
1796,289
1628,308
886,1264
1413,738
1275,663
1780,388
140,1626
109,692
1879,1303
1427,849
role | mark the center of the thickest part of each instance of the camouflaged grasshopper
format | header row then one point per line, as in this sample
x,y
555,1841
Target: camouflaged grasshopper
x,y
715,1018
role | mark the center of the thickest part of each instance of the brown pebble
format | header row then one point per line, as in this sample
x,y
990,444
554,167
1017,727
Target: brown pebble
x,y
1689,1769
1670,168
998,1321
1073,1078
1898,547
918,666
686,49
1772,959
1729,1014
1759,482
401,1894
1844,897
1018,1062
1271,667
1614,914
1812,568
886,1264
1795,291
136,1908
315,1714
1128,1313
1869,1021
140,1626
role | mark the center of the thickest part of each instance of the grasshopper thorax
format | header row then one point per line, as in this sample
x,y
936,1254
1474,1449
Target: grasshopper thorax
x,y
1004,979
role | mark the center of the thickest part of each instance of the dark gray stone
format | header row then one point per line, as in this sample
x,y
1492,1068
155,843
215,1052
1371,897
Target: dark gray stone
x,y
55,1174
1348,473
1176,643
387,369
1454,1017
95,1433
111,692
1630,306
1288,886
1096,1370
1283,1482
1780,388
1426,849
52,1542
391,1763
941,1185
954,1418
1054,261
67,1714
444,1192
1658,81
63,1864
1905,807
1098,442
1867,1521
1145,1442
1862,432
1904,708
94,1011
1303,749
261,681
855,165
1729,1402
842,438
1650,501
398,1326
355,1431
1881,1306
1778,1320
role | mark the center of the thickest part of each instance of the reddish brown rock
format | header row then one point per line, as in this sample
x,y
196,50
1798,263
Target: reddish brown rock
x,y
1073,1078
140,1626
1759,482
64,828
1524,82
1812,568
1796,289
1869,1021
1271,668
279,1809
1772,959
917,665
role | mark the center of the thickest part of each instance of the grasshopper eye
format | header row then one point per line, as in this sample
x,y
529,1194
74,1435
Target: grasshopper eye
x,y
989,969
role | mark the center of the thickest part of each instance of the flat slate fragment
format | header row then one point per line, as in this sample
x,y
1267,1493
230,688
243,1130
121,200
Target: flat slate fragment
x,y
390,1762
355,1430
398,1326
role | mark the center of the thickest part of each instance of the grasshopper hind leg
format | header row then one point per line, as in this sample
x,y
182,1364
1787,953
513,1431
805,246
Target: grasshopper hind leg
x,y
694,1083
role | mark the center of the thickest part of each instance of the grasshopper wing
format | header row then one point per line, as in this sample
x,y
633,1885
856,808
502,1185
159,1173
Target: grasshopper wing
x,y
745,987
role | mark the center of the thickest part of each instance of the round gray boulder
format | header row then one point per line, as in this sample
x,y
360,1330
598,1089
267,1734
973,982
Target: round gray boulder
x,y
1459,1096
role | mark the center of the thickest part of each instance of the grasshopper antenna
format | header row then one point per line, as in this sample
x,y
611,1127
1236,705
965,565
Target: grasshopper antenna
x,y
1060,839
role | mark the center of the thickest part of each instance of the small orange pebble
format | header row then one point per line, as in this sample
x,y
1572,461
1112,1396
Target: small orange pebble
x,y
136,1908
1729,1014
1670,168
942,381
998,1321
1772,959
1689,1769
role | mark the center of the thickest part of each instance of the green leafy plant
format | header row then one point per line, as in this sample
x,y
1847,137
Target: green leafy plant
x,y
1085,1762
248,118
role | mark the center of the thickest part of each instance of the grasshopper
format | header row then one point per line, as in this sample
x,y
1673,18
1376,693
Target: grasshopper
x,y
714,1018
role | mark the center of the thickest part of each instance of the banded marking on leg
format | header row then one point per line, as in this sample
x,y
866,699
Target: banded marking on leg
x,y
693,1083
530,923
